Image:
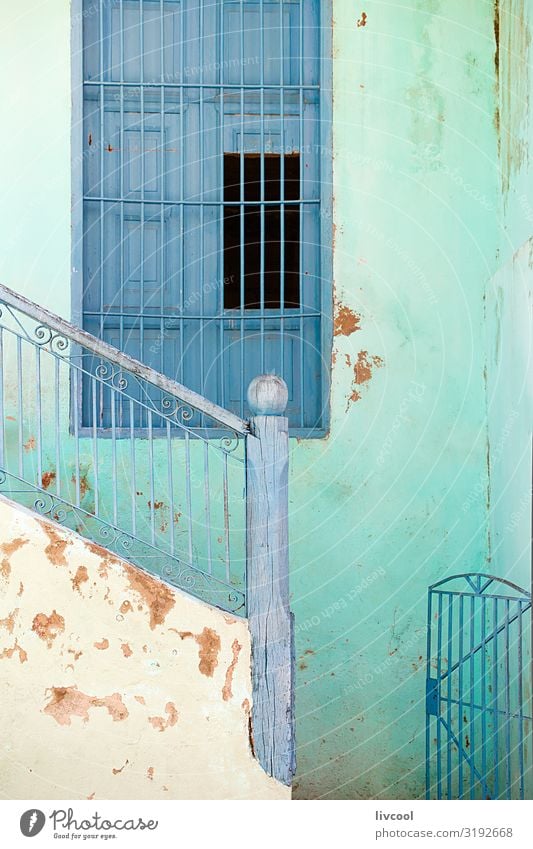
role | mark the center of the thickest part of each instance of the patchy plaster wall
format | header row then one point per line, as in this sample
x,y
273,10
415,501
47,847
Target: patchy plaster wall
x,y
113,685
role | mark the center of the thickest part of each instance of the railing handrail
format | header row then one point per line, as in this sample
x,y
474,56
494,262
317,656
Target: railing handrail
x,y
129,364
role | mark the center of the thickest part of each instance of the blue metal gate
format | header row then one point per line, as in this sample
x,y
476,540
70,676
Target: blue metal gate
x,y
478,690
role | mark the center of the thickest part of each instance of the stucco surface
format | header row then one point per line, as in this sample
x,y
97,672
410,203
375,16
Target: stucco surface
x,y
113,685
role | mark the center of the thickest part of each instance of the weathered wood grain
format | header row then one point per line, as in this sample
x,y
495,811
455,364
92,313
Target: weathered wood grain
x,y
268,595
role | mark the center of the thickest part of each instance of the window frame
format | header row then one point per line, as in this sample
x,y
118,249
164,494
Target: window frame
x,y
326,209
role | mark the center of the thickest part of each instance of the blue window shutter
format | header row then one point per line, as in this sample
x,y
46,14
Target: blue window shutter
x,y
170,87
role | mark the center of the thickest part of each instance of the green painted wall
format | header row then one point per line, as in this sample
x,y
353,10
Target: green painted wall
x,y
408,487
431,206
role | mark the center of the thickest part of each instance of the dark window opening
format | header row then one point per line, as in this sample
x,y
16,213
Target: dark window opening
x,y
278,289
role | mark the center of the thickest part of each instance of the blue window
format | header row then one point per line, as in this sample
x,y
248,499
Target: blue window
x,y
203,246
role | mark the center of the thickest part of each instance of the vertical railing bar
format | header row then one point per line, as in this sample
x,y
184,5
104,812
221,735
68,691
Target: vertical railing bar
x,y
242,227
221,207
102,167
207,508
95,446
74,373
121,93
495,700
188,494
40,415
151,464
449,696
133,473
2,411
439,685
460,696
301,208
170,487
520,703
182,198
507,703
483,689
282,192
20,405
262,184
202,205
472,698
58,426
226,519
162,240
114,454
143,177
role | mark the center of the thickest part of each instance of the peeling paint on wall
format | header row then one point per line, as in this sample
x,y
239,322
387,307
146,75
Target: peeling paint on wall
x,y
226,690
55,550
9,548
209,647
362,372
162,724
47,628
156,595
80,578
68,702
346,321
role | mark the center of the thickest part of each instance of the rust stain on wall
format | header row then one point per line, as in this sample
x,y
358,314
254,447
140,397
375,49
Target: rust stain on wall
x,y
226,689
362,20
9,622
21,590
47,479
48,627
157,596
84,483
126,650
79,578
162,724
66,702
126,607
346,321
29,445
102,645
23,656
209,647
55,550
140,699
150,773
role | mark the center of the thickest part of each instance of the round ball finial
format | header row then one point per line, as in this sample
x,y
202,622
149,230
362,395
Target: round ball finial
x,y
267,395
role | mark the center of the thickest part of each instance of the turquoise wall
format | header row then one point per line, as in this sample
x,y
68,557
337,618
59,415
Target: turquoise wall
x,y
428,459
412,483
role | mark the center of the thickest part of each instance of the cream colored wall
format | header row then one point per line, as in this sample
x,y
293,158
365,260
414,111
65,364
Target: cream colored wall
x,y
113,685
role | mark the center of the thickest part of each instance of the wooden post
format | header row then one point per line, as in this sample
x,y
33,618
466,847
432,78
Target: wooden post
x,y
270,619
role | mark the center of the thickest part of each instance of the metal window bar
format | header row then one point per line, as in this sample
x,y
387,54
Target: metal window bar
x,y
141,81
168,505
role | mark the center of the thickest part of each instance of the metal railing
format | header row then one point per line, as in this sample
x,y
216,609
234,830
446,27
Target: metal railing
x,y
478,686
157,474
117,452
